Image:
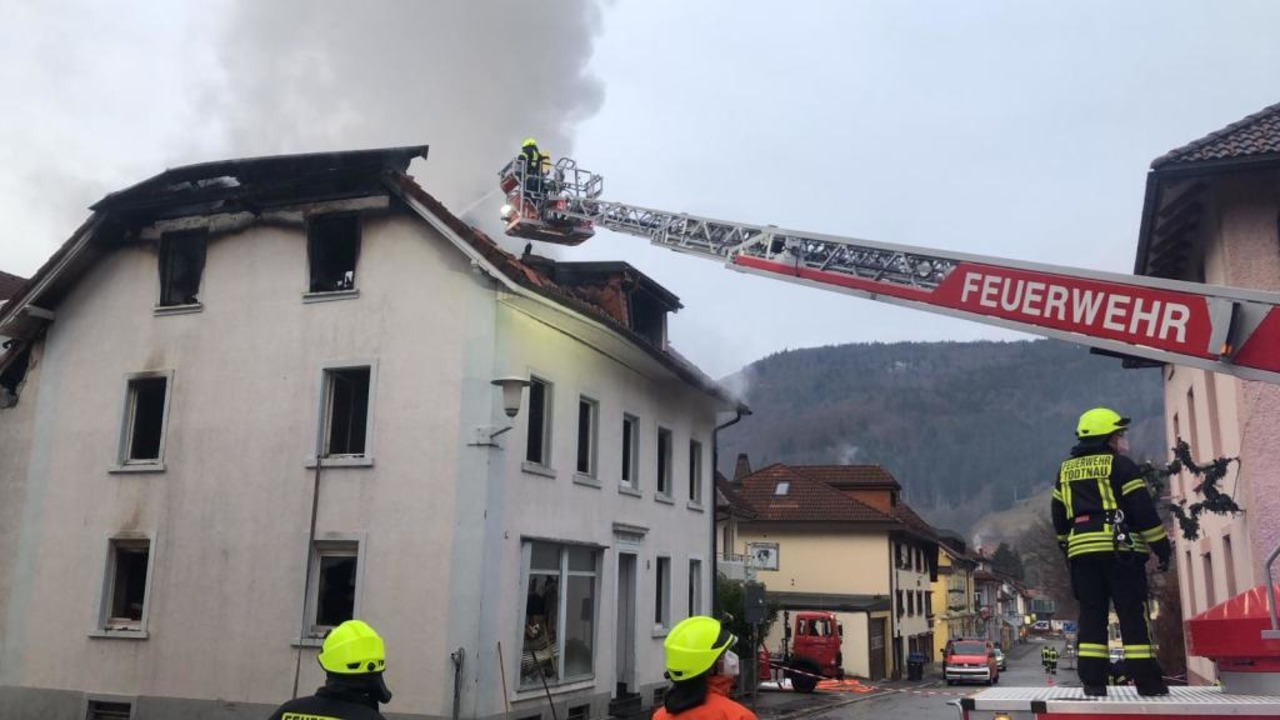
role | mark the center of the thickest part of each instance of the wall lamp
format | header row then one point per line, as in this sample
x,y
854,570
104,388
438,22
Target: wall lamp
x,y
512,393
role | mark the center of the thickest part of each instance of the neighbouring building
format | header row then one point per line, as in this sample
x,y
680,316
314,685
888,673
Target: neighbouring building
x,y
1211,214
257,397
839,538
953,594
731,509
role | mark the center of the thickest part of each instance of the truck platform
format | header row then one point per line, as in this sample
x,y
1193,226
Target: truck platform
x,y
1070,703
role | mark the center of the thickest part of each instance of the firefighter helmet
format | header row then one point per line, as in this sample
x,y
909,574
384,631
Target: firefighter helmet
x,y
1100,422
353,648
529,142
694,645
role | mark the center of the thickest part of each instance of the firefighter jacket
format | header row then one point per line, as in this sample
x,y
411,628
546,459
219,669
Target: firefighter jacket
x,y
1101,505
331,703
702,698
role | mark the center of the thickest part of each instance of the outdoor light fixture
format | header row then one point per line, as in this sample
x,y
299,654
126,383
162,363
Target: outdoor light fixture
x,y
512,392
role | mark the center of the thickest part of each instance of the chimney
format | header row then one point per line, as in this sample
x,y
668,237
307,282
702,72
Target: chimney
x,y
742,468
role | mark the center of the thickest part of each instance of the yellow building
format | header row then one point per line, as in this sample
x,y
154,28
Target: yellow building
x,y
838,538
953,594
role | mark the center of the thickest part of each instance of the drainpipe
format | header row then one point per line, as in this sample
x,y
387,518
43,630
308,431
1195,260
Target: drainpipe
x,y
742,411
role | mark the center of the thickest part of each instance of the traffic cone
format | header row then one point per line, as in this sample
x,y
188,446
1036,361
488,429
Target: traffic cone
x,y
1048,681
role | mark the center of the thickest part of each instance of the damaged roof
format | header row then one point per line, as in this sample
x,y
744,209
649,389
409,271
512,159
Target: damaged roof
x,y
251,185
1250,137
10,285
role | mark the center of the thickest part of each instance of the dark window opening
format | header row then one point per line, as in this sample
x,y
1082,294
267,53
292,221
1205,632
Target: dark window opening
x,y
629,450
15,372
128,585
146,417
333,244
695,471
536,447
103,710
586,436
648,319
336,593
181,265
579,712
348,411
662,586
664,462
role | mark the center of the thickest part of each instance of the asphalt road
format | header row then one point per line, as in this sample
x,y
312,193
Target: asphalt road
x,y
930,699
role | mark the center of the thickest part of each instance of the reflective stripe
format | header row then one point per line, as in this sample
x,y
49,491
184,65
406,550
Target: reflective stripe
x,y
1093,650
1138,652
1064,537
1155,534
306,716
1135,484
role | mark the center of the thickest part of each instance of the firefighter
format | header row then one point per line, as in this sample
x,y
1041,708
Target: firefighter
x,y
1053,660
1044,659
535,167
1106,523
1116,674
353,658
702,668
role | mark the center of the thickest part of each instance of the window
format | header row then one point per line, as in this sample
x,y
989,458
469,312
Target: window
x,y
662,593
1193,428
630,451
335,578
538,446
782,488
911,603
560,613
145,411
695,471
588,410
928,604
695,587
124,606
181,265
333,244
1210,598
580,712
1191,584
107,710
346,416
1215,425
1228,557
902,609
664,462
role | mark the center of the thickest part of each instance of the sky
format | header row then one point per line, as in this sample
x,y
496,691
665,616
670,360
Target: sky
x,y
1016,129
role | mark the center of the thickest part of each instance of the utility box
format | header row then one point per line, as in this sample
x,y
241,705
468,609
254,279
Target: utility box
x,y
756,608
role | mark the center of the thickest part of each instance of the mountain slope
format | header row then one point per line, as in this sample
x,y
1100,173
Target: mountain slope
x,y
967,428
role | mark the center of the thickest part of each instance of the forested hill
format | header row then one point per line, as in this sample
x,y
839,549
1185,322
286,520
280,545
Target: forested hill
x,y
967,428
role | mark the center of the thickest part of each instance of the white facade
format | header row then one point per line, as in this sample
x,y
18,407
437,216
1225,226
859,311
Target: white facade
x,y
442,530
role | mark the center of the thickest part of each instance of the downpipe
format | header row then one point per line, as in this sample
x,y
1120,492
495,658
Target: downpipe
x,y
742,411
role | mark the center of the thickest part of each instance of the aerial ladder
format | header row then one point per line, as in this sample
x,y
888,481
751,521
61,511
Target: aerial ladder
x,y
1154,320
1222,329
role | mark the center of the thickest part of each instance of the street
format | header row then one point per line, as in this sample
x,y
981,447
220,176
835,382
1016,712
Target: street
x,y
929,699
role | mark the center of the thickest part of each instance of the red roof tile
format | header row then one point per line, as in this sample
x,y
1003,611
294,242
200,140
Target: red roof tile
x,y
804,499
849,476
10,285
1257,134
733,499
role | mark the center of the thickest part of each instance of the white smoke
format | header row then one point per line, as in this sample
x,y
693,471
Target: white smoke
x,y
470,79
847,454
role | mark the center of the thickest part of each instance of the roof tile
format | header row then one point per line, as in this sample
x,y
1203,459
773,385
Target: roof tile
x,y
10,285
1257,134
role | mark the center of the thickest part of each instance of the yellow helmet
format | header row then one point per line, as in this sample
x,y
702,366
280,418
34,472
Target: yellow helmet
x,y
529,142
1100,422
694,645
353,648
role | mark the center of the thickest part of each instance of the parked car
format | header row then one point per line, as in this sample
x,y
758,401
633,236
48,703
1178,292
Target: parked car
x,y
971,661
1041,626
1000,663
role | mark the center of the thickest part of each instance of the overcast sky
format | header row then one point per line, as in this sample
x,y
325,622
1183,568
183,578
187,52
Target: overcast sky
x,y
1018,129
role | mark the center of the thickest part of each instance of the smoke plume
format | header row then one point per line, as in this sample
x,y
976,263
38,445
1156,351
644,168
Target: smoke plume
x,y
471,79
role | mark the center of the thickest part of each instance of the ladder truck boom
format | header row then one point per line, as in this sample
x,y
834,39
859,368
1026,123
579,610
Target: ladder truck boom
x,y
1222,329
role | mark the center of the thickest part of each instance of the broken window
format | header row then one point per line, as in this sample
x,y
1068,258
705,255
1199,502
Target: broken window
x,y
144,433
630,450
695,471
664,462
347,416
588,409
559,613
538,448
13,371
333,586
181,265
126,592
333,244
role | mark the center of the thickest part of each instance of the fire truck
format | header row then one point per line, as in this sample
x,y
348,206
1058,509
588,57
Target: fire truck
x,y
1221,329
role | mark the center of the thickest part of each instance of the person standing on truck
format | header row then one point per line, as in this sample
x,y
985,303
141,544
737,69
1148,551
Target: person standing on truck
x,y
353,658
702,667
1106,523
